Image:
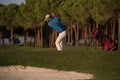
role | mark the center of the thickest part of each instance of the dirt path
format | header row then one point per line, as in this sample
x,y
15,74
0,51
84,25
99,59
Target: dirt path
x,y
34,73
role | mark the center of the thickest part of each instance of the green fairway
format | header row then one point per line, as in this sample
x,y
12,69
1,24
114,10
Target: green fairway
x,y
105,65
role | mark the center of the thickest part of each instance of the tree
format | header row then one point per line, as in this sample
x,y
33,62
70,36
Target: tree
x,y
80,12
10,19
77,14
118,13
119,28
32,14
24,19
1,21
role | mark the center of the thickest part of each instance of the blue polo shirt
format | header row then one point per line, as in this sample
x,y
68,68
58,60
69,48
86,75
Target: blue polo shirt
x,y
56,24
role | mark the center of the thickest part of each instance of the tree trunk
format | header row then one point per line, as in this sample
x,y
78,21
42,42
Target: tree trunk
x,y
113,29
97,25
56,35
38,37
97,43
89,35
34,37
35,40
11,36
41,37
93,39
110,28
69,29
0,38
77,35
83,33
71,36
106,29
52,38
119,29
25,37
76,30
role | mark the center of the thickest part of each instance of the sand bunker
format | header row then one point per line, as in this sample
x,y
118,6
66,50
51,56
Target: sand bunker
x,y
34,73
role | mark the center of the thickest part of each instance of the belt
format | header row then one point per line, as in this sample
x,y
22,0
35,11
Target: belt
x,y
63,30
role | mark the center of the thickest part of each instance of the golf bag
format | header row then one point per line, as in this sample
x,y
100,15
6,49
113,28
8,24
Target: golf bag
x,y
106,42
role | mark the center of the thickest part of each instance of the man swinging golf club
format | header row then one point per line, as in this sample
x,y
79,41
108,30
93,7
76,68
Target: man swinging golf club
x,y
54,23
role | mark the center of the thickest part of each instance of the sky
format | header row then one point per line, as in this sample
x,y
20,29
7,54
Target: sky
x,y
5,2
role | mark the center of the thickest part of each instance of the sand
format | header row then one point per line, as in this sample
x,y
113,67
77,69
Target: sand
x,y
34,73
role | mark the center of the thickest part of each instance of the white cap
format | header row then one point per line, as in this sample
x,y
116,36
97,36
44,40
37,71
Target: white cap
x,y
47,16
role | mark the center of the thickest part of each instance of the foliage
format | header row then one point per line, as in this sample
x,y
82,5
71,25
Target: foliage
x,y
10,14
102,10
31,14
2,15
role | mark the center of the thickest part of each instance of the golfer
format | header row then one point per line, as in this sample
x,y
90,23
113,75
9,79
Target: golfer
x,y
55,24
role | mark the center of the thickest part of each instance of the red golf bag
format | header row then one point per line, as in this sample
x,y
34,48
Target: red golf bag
x,y
106,42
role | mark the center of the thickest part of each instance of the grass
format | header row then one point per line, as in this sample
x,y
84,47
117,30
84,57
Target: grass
x,y
105,65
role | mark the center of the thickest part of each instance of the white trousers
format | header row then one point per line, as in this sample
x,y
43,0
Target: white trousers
x,y
60,39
